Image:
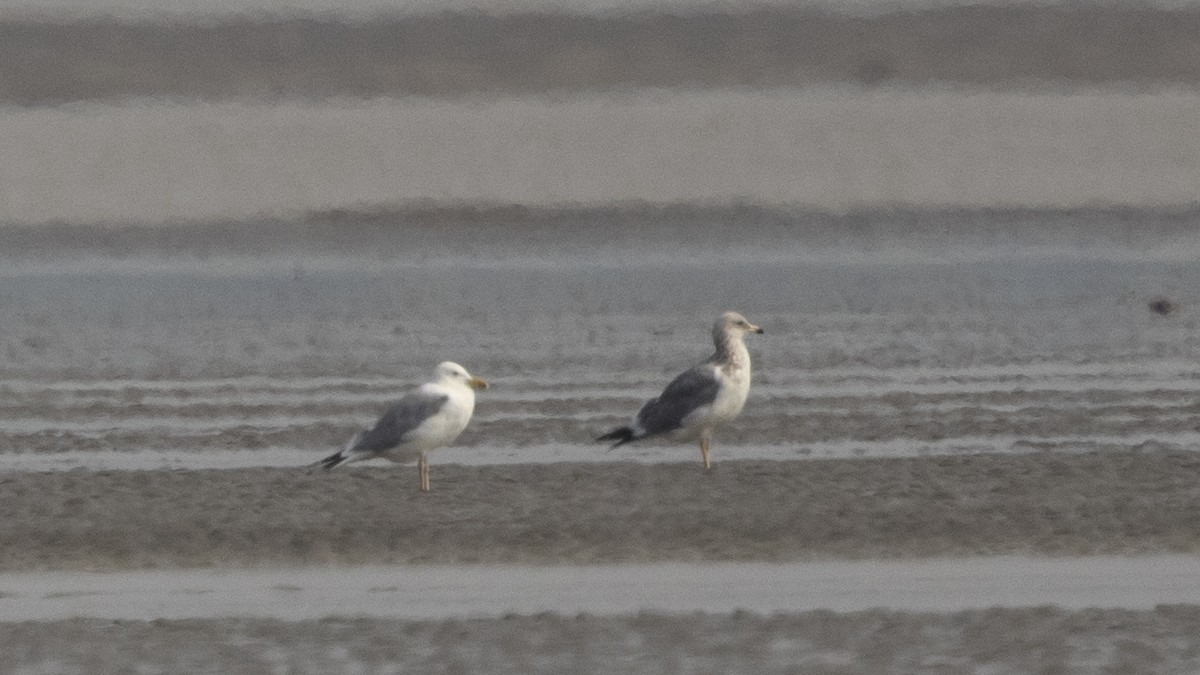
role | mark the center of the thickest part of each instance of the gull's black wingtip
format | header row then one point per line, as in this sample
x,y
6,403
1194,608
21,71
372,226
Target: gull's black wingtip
x,y
333,460
622,436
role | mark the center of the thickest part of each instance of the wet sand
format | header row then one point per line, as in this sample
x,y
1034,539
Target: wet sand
x,y
1046,640
426,592
444,54
1060,504
1043,409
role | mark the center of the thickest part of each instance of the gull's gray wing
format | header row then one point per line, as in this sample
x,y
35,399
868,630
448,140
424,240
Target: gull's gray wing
x,y
398,421
692,389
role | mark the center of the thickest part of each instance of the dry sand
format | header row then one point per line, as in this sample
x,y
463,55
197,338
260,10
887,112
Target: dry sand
x,y
1034,640
605,513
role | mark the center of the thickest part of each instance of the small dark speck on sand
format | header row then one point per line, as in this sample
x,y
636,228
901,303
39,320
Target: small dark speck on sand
x,y
1163,306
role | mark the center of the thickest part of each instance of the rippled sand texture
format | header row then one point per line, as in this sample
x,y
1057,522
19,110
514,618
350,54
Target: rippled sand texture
x,y
897,333
1064,504
995,640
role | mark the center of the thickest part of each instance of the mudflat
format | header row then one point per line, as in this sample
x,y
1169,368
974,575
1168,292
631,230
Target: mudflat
x,y
1043,639
1057,503
446,54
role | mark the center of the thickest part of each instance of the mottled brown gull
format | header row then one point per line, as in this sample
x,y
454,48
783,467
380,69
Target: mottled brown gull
x,y
701,398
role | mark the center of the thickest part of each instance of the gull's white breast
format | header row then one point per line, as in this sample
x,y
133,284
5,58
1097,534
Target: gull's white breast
x,y
731,398
445,426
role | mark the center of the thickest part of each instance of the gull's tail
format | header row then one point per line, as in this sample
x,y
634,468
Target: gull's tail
x,y
333,460
621,435
342,455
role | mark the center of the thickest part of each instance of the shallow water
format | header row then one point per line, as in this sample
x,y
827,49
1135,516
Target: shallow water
x,y
416,592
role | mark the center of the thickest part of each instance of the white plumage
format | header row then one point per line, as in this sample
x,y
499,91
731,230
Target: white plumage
x,y
428,417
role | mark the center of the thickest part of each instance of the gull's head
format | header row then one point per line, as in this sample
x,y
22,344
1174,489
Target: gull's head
x,y
449,372
732,323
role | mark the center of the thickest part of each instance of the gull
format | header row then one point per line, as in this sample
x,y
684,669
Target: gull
x,y
702,397
426,418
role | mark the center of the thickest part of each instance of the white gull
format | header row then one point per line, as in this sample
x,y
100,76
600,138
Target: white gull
x,y
428,417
